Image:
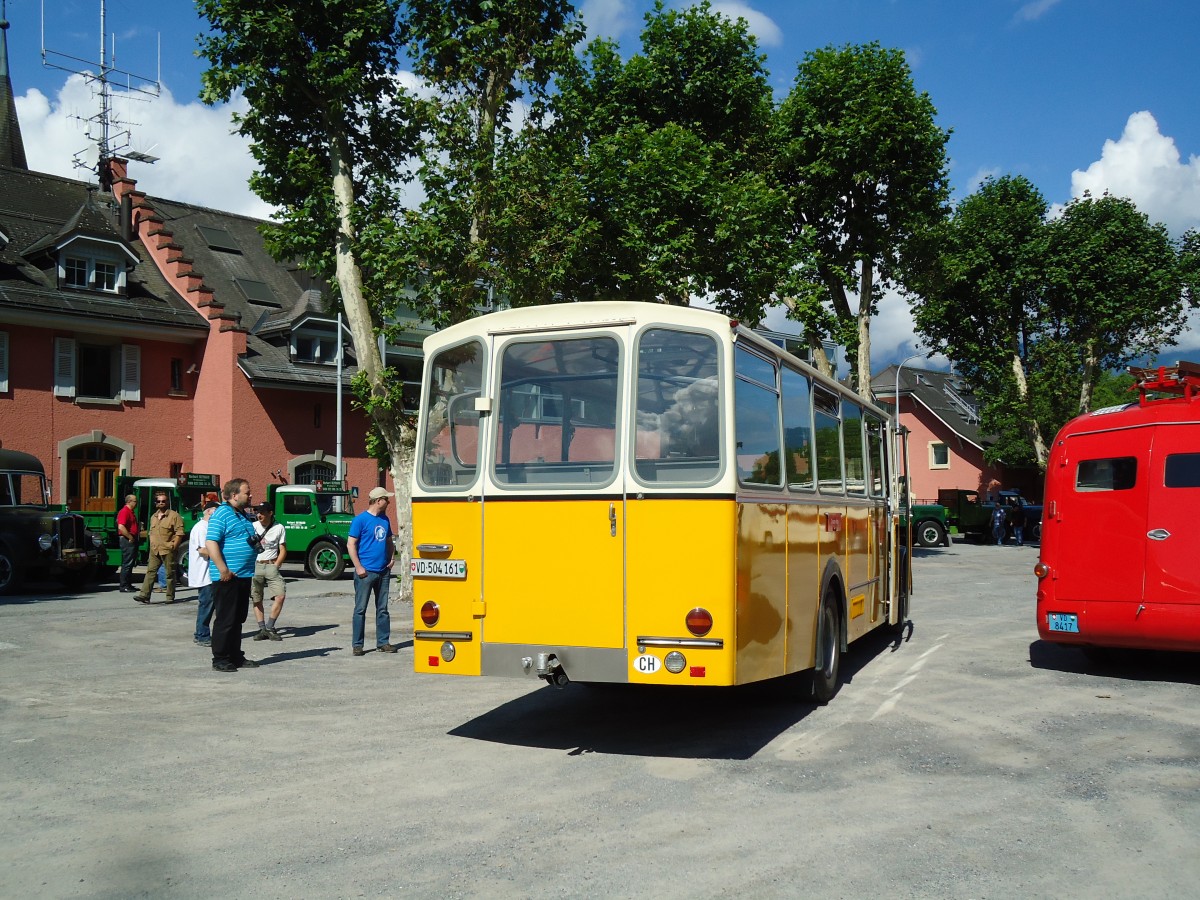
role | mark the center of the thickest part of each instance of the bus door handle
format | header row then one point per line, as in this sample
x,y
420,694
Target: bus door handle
x,y
1158,534
612,519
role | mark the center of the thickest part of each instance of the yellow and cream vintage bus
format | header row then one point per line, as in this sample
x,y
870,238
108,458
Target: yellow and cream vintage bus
x,y
642,493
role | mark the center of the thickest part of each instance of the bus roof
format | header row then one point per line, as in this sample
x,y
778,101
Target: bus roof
x,y
1166,394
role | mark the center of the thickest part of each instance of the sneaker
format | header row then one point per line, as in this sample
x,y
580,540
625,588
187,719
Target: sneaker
x,y
387,648
223,665
273,634
263,635
359,651
202,642
247,664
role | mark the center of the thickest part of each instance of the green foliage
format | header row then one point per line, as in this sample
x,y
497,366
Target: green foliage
x,y
1034,312
648,181
864,165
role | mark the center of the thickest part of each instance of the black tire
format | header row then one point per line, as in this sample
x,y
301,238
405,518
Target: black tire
x,y
10,572
325,561
1035,532
826,674
931,533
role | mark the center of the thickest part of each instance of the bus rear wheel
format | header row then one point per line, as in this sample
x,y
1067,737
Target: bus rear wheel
x,y
826,676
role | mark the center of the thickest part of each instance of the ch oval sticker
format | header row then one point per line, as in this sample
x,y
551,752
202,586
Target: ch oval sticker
x,y
647,664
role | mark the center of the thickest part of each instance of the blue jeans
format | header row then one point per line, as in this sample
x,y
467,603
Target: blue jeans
x,y
372,583
204,612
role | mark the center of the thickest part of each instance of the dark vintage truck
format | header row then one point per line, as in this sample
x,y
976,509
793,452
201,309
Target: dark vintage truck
x,y
971,513
39,541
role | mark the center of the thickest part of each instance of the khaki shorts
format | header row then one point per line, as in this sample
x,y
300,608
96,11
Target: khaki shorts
x,y
266,575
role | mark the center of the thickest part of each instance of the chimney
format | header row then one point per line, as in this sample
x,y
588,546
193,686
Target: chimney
x,y
127,217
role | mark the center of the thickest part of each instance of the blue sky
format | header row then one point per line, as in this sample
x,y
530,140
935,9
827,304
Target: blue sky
x,y
1073,94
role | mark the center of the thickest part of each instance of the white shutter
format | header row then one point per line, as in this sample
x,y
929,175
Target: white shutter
x,y
131,373
64,367
3,361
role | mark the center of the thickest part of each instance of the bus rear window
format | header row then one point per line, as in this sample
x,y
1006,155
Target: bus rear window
x,y
1115,474
1183,470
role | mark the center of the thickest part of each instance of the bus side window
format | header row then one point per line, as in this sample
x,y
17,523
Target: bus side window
x,y
797,429
876,434
1116,474
854,464
1182,471
827,434
677,434
756,420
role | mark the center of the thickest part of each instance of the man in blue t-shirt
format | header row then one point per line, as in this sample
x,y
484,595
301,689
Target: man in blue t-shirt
x,y
372,551
231,554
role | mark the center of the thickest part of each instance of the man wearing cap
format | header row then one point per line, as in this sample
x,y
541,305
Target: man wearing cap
x,y
267,578
199,577
372,551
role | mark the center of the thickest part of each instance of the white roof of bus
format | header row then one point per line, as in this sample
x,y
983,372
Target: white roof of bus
x,y
595,313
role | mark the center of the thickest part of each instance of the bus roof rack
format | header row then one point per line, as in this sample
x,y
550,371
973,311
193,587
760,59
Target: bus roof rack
x,y
1182,380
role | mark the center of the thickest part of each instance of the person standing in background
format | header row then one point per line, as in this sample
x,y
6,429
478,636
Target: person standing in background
x,y
372,551
129,530
267,578
199,577
166,535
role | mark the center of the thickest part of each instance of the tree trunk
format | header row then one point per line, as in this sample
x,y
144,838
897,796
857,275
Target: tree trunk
x,y
1090,365
397,435
865,307
1032,428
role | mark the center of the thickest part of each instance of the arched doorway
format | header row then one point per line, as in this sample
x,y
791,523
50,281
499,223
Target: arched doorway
x,y
92,477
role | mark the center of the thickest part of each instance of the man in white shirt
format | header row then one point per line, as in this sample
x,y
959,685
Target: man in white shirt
x,y
267,578
198,575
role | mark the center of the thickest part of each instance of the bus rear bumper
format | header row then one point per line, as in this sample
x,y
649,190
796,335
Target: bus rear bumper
x,y
1124,623
593,664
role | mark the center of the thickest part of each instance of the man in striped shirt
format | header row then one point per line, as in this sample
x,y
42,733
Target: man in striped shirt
x,y
232,549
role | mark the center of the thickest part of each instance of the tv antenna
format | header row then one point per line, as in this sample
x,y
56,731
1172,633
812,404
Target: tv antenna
x,y
110,133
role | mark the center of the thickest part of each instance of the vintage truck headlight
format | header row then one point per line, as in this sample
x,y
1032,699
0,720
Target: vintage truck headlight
x,y
97,541
45,542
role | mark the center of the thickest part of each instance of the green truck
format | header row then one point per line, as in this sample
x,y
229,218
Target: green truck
x,y
186,495
316,518
971,513
930,525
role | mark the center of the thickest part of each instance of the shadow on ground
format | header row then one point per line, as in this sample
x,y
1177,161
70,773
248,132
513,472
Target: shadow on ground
x,y
659,721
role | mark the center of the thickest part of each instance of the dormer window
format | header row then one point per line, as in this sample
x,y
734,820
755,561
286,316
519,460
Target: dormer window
x,y
312,347
91,273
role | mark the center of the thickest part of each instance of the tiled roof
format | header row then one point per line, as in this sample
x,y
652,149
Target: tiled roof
x,y
35,210
945,394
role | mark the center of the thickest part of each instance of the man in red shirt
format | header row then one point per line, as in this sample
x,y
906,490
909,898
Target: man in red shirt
x,y
127,526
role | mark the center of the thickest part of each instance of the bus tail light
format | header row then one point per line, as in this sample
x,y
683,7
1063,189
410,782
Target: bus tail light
x,y
675,662
1041,570
699,621
430,613
448,651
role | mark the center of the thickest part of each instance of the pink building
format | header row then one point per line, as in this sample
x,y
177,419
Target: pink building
x,y
147,336
946,449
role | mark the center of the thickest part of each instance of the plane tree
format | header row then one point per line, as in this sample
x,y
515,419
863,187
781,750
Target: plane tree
x,y
864,166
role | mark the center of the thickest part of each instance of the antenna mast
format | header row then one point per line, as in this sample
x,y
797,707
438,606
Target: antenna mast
x,y
109,142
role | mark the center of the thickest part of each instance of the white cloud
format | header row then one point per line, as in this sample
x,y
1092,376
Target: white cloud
x,y
1145,166
1034,10
201,160
607,18
760,24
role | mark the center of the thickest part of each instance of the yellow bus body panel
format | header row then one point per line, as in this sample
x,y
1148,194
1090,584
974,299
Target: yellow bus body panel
x,y
680,555
806,563
553,572
458,523
762,563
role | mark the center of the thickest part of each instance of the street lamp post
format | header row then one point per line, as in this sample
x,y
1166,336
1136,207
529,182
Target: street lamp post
x,y
896,401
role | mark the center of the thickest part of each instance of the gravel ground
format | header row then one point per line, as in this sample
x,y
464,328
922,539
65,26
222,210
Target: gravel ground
x,y
966,760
